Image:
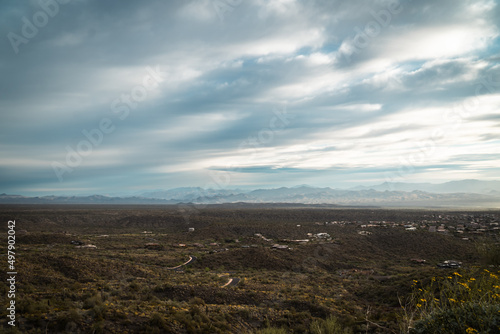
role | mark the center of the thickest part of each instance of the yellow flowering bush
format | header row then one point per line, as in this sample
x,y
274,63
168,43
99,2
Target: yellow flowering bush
x,y
458,303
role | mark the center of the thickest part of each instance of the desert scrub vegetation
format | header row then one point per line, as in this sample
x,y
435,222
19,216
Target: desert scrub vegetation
x,y
272,330
489,251
467,302
124,287
330,325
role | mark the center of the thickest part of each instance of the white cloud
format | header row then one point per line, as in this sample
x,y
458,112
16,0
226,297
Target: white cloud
x,y
436,42
222,78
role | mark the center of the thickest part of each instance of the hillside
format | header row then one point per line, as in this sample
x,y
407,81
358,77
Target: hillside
x,y
132,279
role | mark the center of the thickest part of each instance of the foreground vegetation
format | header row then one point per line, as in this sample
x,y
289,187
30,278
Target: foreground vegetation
x,y
347,283
458,303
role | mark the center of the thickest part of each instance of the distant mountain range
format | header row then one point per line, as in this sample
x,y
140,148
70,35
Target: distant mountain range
x,y
463,186
188,194
465,193
93,199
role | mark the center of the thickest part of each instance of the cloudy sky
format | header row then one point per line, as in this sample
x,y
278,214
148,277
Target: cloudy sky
x,y
116,97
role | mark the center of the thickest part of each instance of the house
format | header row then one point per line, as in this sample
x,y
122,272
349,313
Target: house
x,y
191,229
300,241
263,237
449,264
364,232
276,246
87,246
419,261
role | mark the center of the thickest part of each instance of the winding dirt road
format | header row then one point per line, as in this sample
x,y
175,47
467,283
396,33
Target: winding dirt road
x,y
191,260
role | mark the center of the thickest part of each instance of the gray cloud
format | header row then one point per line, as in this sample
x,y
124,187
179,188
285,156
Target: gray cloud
x,y
222,78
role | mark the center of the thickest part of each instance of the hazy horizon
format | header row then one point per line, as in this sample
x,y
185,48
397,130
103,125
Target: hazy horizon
x,y
470,186
107,97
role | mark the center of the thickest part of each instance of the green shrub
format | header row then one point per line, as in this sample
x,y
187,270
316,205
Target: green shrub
x,y
92,302
458,303
157,320
464,319
98,327
272,330
489,252
196,301
329,326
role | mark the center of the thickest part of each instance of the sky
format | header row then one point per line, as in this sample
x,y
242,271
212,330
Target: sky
x,y
120,97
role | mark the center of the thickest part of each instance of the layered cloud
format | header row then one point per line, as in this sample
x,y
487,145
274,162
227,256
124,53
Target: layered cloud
x,y
114,97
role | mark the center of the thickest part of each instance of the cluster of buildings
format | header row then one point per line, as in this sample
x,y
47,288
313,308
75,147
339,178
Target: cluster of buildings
x,y
466,223
463,225
460,224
